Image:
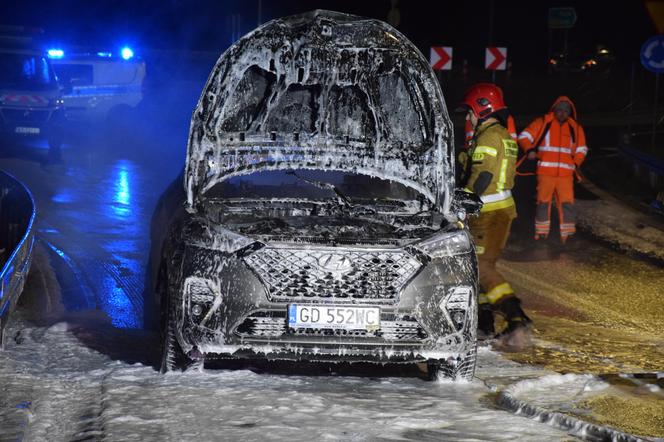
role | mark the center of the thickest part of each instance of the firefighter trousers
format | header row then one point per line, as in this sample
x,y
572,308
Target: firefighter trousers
x,y
490,231
562,188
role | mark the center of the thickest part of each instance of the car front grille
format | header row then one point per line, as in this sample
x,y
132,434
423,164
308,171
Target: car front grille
x,y
273,325
25,116
293,274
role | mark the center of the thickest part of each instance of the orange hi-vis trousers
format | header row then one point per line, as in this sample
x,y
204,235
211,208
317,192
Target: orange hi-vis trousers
x,y
563,189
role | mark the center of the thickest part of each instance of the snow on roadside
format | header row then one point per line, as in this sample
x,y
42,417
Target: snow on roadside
x,y
558,401
619,224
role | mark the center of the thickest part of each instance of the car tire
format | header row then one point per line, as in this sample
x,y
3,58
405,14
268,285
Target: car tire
x,y
463,370
172,356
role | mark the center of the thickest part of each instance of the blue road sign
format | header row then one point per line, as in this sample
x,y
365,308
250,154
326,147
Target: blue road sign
x,y
562,18
652,54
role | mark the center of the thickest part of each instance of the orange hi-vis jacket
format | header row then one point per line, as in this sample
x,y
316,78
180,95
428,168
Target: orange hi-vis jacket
x,y
561,148
469,133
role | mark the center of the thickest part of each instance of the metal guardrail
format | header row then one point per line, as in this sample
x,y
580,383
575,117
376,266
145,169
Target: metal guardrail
x,y
653,163
17,217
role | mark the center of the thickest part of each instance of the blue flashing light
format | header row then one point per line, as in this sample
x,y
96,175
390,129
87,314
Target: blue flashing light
x,y
126,53
55,53
104,54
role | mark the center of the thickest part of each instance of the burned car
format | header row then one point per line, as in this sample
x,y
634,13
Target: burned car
x,y
320,220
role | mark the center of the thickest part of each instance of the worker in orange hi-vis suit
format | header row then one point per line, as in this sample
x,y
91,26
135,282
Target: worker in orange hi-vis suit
x,y
559,144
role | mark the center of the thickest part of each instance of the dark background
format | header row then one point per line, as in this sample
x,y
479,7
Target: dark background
x,y
181,40
622,25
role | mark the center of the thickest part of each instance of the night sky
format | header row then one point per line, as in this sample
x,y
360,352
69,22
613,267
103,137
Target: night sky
x,y
621,25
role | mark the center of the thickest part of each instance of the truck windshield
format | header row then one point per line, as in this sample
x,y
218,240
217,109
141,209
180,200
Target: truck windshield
x,y
25,71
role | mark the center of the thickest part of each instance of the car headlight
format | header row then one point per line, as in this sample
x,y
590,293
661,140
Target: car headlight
x,y
457,303
445,244
200,297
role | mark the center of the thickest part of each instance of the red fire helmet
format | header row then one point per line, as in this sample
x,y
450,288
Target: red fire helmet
x,y
484,99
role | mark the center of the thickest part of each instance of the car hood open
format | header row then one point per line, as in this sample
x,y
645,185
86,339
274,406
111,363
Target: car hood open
x,y
327,91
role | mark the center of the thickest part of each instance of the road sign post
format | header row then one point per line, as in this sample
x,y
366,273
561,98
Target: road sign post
x,y
562,18
654,113
652,58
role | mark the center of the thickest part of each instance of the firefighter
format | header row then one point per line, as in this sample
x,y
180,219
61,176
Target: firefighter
x,y
558,143
489,172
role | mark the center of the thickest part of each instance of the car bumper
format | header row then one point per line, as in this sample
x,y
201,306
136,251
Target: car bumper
x,y
416,326
35,124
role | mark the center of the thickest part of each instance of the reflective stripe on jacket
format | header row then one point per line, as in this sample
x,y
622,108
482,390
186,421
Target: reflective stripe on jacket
x,y
561,148
494,151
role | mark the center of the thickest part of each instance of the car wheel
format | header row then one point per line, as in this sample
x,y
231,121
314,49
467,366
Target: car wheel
x,y
172,356
464,369
433,368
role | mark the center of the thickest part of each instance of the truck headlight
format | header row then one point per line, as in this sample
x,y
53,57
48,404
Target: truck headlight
x,y
445,244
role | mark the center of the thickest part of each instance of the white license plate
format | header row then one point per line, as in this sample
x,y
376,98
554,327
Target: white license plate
x,y
27,130
334,316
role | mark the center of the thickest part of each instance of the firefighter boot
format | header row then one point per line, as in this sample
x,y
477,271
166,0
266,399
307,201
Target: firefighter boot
x,y
516,318
485,321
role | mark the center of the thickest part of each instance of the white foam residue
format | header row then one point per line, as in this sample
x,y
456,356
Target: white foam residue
x,y
59,327
556,388
141,404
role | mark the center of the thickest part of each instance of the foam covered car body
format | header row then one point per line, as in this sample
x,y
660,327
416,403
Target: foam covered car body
x,y
319,219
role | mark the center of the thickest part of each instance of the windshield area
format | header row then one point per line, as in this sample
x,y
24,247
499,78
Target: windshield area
x,y
25,71
313,185
320,204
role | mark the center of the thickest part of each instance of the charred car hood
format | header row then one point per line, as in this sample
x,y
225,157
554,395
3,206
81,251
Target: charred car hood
x,y
327,91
